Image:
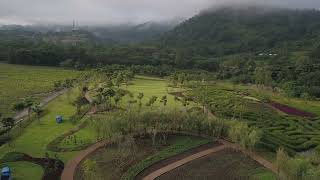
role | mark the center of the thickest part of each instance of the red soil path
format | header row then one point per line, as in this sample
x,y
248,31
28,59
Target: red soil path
x,y
70,168
290,110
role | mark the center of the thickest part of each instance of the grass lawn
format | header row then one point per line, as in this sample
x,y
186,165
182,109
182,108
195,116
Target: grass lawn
x,y
149,86
25,170
153,87
18,81
37,135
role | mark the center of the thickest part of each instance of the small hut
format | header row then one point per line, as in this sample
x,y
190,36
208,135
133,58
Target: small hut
x,y
59,119
5,173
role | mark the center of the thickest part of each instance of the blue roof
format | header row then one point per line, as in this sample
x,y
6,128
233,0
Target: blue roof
x,y
5,170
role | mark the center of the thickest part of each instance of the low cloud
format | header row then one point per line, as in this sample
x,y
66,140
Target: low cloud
x,y
89,12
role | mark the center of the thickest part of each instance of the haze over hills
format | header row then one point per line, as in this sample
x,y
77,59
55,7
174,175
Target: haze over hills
x,y
230,30
125,33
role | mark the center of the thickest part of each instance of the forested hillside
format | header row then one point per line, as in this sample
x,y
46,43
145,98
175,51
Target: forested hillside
x,y
265,46
231,30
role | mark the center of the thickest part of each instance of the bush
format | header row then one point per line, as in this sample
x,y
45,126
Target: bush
x,y
12,156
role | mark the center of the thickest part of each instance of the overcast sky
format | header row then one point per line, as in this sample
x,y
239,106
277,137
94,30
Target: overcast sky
x,y
88,12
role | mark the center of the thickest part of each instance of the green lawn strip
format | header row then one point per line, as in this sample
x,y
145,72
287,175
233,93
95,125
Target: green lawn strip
x,y
151,87
18,81
180,146
25,170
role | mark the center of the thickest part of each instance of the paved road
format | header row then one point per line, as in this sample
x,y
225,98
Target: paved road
x,y
22,114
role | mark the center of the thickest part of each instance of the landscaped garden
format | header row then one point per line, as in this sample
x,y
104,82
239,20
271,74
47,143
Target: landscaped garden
x,y
145,121
294,133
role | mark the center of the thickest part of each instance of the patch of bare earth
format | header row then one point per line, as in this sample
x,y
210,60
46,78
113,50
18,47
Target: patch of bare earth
x,y
226,164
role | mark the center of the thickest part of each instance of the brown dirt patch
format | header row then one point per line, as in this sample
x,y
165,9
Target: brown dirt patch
x,y
171,160
226,164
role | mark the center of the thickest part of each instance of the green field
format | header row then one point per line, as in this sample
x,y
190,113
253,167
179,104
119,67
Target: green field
x,y
18,81
34,138
148,86
25,170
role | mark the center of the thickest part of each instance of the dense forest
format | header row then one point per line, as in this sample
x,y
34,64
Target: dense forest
x,y
265,46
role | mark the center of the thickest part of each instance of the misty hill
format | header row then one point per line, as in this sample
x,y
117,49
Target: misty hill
x,y
133,33
230,30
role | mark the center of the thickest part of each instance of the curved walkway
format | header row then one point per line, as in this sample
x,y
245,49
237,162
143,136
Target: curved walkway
x,y
181,162
71,167
225,145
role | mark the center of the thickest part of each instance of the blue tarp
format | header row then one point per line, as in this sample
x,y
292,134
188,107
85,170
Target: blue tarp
x,y
59,119
5,171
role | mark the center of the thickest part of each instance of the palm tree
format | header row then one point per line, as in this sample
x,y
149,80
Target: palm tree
x,y
7,123
152,100
38,110
28,103
18,106
140,97
79,102
117,98
164,100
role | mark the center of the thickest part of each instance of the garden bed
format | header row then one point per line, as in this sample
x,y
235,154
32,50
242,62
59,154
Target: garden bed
x,y
110,164
290,110
226,164
178,157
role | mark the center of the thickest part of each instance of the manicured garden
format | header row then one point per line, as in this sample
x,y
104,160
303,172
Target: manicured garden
x,y
294,133
139,114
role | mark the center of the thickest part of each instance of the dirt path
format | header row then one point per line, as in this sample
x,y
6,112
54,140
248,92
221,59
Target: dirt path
x,y
225,145
71,167
22,114
181,162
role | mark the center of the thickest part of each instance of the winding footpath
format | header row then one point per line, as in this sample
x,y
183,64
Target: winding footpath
x,y
71,167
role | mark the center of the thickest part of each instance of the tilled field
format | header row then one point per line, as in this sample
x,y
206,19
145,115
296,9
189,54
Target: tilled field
x,y
223,165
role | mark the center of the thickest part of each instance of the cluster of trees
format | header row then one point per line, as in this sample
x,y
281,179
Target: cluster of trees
x,y
159,124
30,105
296,76
7,124
298,168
